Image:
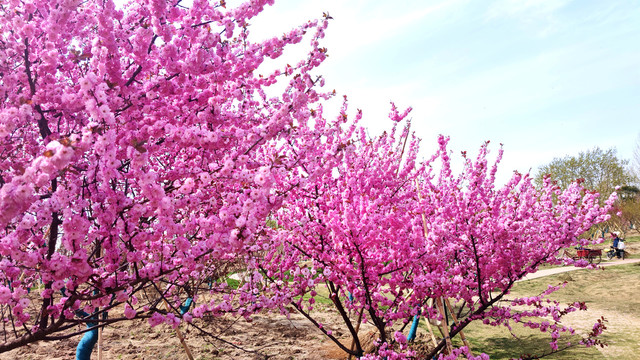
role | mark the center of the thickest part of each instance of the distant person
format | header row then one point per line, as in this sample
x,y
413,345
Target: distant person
x,y
620,249
616,240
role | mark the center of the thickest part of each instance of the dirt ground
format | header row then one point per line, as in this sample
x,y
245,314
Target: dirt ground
x,y
271,336
268,336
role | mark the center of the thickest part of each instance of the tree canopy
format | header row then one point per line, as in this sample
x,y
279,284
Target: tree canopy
x,y
601,170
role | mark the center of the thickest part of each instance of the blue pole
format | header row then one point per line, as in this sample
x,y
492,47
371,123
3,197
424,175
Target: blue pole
x,y
90,338
187,304
88,341
414,328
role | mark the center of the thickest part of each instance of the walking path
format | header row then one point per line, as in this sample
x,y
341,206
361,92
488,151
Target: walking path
x,y
559,270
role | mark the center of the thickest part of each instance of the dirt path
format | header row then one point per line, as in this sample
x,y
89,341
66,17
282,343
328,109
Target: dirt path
x,y
560,270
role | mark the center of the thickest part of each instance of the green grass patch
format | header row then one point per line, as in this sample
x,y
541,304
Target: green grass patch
x,y
322,296
612,288
500,343
612,291
233,283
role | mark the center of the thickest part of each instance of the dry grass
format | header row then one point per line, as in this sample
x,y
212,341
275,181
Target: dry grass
x,y
612,293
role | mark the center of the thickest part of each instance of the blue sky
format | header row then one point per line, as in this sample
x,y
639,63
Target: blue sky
x,y
546,78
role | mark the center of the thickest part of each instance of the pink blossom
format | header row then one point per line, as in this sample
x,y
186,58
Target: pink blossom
x,y
129,312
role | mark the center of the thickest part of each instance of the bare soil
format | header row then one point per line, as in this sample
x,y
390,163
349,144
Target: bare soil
x,y
271,336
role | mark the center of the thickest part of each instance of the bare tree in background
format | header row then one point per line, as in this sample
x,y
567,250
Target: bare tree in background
x,y
635,165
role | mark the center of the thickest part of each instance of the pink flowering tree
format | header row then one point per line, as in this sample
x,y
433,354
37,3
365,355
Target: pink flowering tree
x,y
492,237
381,234
138,153
144,151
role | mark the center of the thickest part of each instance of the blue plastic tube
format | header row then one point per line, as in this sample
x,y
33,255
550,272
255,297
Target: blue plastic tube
x,y
414,328
88,341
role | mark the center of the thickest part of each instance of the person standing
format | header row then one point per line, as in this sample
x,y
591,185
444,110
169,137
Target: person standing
x,y
620,249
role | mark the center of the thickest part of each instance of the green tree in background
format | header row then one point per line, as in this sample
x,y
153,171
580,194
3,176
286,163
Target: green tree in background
x,y
601,170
